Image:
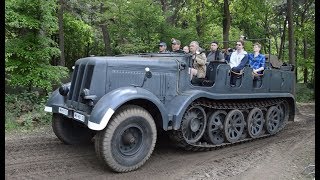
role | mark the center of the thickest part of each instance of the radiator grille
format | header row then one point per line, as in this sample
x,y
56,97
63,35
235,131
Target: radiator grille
x,y
81,79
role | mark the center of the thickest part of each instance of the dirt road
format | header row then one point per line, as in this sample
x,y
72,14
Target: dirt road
x,y
40,155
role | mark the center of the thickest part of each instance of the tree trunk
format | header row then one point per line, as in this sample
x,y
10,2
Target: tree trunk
x,y
305,55
283,38
87,50
226,23
164,5
199,20
290,33
312,77
267,31
106,39
276,44
173,19
305,71
296,55
61,33
105,32
291,40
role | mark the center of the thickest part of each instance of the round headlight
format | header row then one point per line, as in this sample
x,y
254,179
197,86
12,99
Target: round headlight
x,y
63,90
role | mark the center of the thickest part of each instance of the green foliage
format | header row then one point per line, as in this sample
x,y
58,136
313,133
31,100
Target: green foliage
x,y
137,27
78,36
142,27
184,35
29,47
304,93
25,110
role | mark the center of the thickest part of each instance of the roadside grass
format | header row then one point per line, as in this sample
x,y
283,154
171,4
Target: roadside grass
x,y
25,111
304,93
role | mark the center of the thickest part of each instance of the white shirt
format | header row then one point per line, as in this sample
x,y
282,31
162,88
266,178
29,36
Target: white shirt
x,y
236,58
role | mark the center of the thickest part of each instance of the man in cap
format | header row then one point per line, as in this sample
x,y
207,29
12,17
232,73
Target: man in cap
x,y
175,44
163,47
215,54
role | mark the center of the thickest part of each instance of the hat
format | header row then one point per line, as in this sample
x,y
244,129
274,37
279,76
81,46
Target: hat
x,y
162,44
175,41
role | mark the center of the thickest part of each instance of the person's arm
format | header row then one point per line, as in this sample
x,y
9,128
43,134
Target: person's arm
x,y
243,63
201,59
258,70
262,63
221,57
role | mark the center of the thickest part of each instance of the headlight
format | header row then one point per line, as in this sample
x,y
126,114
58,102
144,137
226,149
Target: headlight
x,y
63,90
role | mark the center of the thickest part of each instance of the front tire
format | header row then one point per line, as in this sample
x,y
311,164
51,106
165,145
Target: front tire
x,y
70,131
128,140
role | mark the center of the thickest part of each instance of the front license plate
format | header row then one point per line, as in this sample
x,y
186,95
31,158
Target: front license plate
x,y
79,116
63,111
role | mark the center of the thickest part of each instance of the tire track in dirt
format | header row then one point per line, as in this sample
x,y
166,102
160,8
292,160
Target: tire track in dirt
x,y
43,156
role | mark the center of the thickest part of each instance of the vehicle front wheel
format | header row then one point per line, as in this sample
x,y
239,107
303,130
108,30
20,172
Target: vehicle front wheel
x,y
128,140
70,131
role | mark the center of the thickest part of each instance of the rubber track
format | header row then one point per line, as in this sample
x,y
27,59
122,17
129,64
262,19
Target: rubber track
x,y
216,105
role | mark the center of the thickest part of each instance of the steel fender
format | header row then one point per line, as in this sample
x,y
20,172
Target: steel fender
x,y
55,99
109,103
293,109
179,104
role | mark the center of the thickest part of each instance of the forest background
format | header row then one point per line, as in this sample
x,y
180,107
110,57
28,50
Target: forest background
x,y
43,39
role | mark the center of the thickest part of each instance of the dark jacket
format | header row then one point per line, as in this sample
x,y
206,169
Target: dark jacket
x,y
178,51
216,56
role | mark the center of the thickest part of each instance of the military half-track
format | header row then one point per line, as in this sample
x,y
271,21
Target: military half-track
x,y
124,101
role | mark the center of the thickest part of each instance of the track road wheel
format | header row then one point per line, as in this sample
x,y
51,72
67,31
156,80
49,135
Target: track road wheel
x,y
273,119
128,140
70,131
255,122
193,124
215,127
234,125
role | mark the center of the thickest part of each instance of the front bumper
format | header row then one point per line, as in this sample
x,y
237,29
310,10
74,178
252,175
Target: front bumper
x,y
81,117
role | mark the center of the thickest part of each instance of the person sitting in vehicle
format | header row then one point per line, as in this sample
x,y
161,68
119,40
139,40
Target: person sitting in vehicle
x,y
163,47
227,54
186,49
238,60
257,60
199,59
215,54
175,44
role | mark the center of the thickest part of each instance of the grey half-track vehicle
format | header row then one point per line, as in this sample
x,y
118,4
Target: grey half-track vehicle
x,y
124,101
